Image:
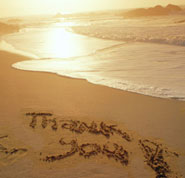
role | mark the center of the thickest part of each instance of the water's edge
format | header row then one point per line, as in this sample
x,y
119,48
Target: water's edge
x,y
17,66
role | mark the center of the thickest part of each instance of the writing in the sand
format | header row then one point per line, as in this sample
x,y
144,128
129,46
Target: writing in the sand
x,y
77,126
153,152
87,150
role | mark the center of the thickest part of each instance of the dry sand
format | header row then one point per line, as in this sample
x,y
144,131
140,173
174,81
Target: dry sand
x,y
53,127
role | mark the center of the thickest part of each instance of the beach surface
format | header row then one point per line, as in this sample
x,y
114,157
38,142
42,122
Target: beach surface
x,y
53,126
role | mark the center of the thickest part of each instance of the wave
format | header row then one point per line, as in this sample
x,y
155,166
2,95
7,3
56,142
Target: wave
x,y
141,89
171,35
43,66
140,68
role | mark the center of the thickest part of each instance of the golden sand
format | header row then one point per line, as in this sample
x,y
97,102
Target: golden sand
x,y
53,126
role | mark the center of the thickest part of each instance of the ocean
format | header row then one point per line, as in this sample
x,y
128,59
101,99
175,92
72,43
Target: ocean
x,y
144,55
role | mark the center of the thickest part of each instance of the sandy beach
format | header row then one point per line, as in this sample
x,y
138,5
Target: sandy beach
x,y
53,126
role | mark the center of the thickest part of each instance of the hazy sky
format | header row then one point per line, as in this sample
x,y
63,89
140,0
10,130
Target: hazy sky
x,y
27,7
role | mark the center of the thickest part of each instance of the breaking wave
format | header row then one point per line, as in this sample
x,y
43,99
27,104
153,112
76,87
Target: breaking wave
x,y
172,36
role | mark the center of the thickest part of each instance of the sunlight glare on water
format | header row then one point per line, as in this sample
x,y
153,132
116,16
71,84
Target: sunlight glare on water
x,y
62,44
58,42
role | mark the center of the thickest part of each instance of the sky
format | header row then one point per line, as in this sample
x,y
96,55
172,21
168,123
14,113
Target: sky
x,y
29,7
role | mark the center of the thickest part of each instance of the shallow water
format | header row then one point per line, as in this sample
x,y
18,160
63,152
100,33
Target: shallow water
x,y
144,56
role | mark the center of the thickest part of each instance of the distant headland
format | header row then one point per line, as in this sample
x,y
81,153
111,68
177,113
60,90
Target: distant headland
x,y
153,11
8,28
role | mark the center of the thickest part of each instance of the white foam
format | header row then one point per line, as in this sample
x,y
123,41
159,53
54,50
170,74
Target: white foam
x,y
147,71
150,30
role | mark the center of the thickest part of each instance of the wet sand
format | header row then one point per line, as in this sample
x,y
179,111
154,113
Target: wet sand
x,y
53,126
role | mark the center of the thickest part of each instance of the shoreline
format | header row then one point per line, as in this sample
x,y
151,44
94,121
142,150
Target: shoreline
x,y
143,116
158,87
181,99
145,87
